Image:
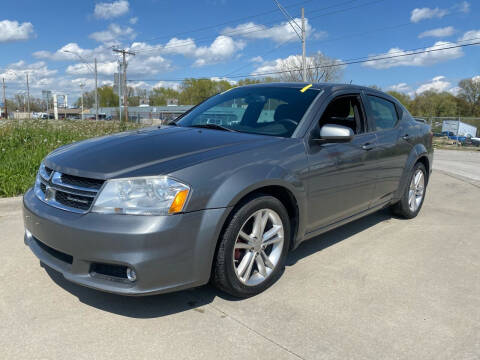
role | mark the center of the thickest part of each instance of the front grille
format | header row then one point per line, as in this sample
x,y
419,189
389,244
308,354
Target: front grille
x,y
77,181
67,192
109,270
74,201
55,253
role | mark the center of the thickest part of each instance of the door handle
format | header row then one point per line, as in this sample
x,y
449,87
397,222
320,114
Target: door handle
x,y
368,146
405,137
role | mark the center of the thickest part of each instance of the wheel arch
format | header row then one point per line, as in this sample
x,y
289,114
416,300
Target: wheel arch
x,y
419,153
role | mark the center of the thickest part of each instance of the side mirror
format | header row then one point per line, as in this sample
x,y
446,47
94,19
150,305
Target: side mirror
x,y
331,133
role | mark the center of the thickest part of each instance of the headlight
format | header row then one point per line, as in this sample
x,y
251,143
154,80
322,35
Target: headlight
x,y
142,196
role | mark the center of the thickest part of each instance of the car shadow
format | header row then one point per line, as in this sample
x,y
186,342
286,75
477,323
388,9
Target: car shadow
x,y
195,299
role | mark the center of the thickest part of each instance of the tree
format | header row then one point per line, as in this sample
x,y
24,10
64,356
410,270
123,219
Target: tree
x,y
470,92
107,97
159,96
403,98
320,68
194,91
431,103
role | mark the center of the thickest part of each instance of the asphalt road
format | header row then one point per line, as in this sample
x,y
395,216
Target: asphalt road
x,y
378,288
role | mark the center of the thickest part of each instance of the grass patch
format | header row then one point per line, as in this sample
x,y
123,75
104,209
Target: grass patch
x,y
23,145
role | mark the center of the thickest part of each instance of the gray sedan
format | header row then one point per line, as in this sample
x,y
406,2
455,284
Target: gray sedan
x,y
226,191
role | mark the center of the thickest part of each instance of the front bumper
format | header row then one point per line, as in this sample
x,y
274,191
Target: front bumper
x,y
168,253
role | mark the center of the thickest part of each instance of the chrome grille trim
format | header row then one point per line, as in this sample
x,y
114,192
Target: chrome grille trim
x,y
54,185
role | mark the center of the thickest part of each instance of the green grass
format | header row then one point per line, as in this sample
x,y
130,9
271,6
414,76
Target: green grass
x,y
23,145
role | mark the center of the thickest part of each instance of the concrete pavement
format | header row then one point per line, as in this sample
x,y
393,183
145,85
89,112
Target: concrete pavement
x,y
465,164
378,288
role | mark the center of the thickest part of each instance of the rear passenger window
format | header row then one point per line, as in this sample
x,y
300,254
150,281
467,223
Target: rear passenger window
x,y
384,112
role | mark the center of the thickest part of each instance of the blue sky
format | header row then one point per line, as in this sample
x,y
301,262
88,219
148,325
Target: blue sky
x,y
227,38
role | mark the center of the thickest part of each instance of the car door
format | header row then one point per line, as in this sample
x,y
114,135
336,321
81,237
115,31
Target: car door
x,y
392,146
340,181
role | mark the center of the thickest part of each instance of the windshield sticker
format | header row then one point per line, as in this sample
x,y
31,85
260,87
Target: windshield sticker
x,y
306,88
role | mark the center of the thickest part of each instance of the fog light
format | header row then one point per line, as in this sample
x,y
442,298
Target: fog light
x,y
131,274
28,233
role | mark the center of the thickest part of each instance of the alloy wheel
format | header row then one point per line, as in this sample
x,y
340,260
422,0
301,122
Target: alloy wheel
x,y
416,190
258,247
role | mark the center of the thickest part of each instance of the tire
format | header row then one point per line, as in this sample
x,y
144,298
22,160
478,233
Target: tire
x,y
404,207
231,261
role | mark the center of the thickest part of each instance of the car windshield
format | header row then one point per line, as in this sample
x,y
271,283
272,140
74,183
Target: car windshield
x,y
263,110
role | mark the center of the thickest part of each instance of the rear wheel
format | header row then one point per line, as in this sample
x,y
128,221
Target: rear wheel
x,y
252,251
412,199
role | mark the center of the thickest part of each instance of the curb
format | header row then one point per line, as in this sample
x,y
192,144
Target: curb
x,y
9,206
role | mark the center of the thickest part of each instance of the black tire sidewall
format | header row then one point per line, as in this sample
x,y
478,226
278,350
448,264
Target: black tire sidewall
x,y
233,284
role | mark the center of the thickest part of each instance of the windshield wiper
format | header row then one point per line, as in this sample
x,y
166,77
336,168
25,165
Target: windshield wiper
x,y
213,126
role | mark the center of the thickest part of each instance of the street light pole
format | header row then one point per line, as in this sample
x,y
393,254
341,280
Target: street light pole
x,y
96,91
95,74
304,50
81,87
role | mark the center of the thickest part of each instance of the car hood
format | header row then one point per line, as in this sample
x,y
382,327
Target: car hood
x,y
148,151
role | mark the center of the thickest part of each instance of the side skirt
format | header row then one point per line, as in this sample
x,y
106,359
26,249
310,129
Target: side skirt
x,y
339,223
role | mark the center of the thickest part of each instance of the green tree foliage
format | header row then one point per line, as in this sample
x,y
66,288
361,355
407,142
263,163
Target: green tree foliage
x,y
107,97
194,91
470,93
403,98
159,96
431,103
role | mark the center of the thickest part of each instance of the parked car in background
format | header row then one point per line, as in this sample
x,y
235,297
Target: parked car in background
x,y
173,207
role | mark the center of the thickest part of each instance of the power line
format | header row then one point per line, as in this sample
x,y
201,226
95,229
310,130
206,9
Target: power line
x,y
254,29
359,60
241,19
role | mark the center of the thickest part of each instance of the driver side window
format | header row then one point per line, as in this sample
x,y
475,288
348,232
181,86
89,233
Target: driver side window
x,y
346,111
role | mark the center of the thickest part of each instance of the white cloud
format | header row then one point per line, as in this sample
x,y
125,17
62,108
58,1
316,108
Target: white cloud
x,y
113,34
168,85
14,31
427,13
67,53
257,59
111,10
222,48
39,75
401,58
437,84
105,68
280,33
230,81
463,7
133,20
470,36
282,63
439,32
401,87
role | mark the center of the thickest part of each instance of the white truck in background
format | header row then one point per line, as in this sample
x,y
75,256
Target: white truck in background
x,y
458,128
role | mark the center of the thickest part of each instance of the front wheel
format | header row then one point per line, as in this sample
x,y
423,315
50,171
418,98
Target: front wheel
x,y
252,251
412,199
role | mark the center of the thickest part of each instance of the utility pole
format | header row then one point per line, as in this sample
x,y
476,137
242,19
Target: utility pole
x,y
124,68
81,87
28,97
304,50
96,91
300,31
4,100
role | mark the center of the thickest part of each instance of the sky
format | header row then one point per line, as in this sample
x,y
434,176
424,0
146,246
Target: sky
x,y
55,42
